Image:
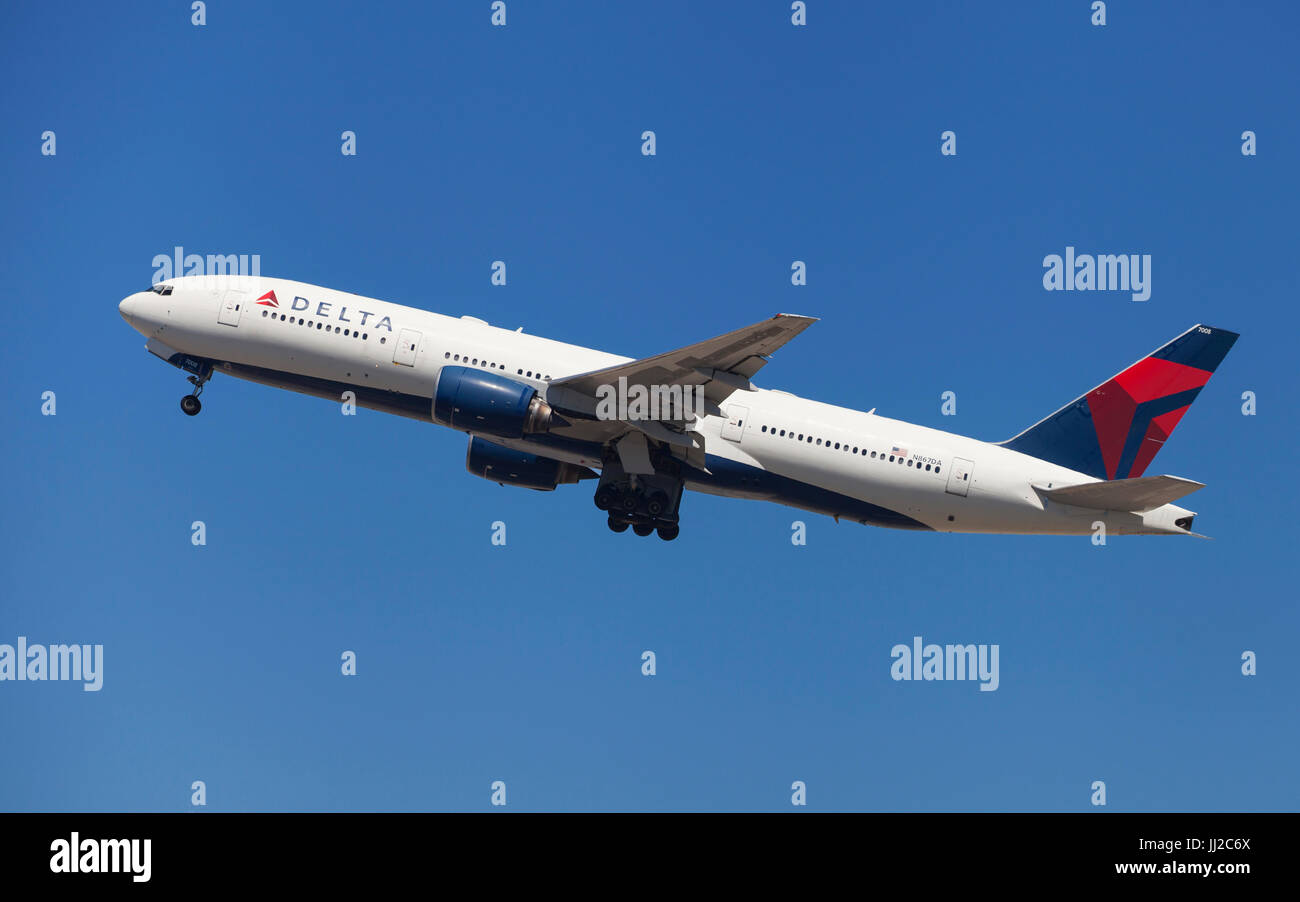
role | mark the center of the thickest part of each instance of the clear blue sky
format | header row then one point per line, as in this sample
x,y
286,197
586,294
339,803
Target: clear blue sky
x,y
522,663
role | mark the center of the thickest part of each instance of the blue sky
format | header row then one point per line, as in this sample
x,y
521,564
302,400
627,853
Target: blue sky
x,y
521,663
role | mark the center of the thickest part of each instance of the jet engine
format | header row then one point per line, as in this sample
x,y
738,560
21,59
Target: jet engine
x,y
509,467
476,401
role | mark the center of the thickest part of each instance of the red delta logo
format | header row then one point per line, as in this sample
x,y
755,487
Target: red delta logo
x,y
1136,412
268,299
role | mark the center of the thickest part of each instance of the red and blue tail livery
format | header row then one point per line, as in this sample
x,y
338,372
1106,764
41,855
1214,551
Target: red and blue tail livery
x,y
1115,430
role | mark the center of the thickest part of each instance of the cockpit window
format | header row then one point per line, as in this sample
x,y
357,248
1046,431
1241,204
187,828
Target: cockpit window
x,y
161,288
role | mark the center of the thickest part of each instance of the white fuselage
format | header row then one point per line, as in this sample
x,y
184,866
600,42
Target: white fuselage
x,y
766,444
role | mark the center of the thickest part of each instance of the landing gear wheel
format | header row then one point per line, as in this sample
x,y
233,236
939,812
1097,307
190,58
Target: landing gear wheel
x,y
190,403
606,499
657,504
617,525
668,533
629,502
643,529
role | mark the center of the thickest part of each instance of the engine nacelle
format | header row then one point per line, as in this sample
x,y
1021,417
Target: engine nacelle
x,y
476,401
510,467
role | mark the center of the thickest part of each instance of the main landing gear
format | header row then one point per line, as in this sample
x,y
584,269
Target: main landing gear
x,y
645,502
190,404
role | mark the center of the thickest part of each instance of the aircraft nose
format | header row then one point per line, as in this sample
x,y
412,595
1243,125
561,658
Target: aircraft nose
x,y
127,307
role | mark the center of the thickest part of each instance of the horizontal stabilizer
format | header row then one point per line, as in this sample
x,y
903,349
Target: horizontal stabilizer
x,y
1139,495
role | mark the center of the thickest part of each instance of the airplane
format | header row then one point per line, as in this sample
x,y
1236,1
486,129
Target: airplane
x,y
532,408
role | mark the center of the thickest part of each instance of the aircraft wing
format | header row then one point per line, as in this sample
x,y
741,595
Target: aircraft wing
x,y
1139,495
721,364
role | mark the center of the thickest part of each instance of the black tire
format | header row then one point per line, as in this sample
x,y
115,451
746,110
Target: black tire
x,y
605,499
657,504
643,529
617,525
190,405
629,502
668,533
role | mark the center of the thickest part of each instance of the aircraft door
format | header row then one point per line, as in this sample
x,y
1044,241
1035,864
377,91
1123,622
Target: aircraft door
x,y
408,343
231,306
959,474
734,428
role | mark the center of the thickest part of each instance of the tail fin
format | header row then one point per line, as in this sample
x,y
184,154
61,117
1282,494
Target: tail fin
x,y
1115,430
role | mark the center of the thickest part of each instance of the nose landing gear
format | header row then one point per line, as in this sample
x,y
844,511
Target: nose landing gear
x,y
190,404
